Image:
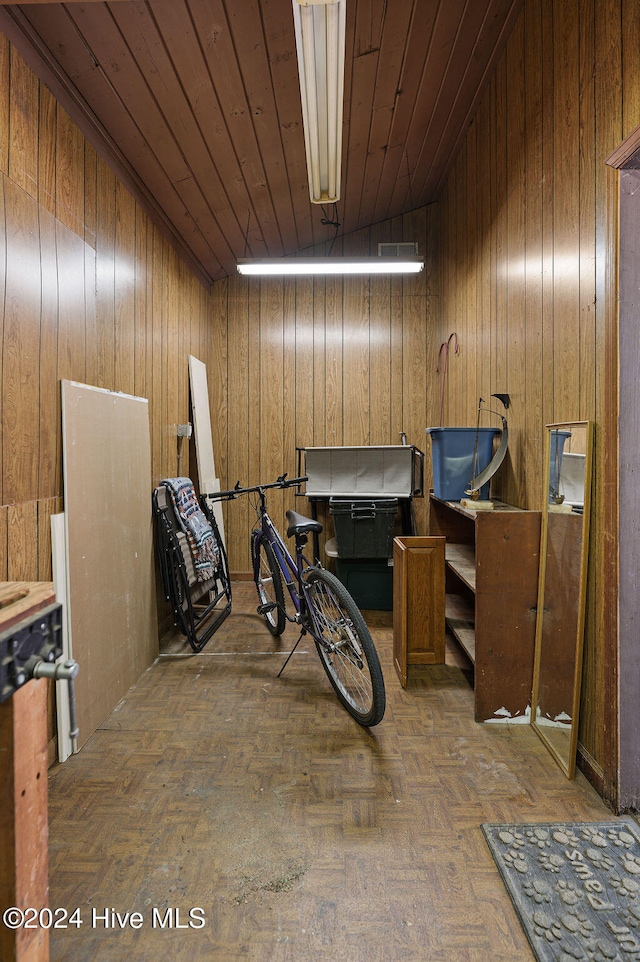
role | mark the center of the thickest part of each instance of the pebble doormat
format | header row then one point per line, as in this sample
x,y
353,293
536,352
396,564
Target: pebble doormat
x,y
575,886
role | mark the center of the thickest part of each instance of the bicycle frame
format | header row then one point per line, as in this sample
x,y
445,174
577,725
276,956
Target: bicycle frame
x,y
292,569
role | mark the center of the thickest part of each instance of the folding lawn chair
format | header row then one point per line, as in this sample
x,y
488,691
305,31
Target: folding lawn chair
x,y
193,561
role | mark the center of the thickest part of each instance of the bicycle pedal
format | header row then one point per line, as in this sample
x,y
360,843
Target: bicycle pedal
x,y
265,609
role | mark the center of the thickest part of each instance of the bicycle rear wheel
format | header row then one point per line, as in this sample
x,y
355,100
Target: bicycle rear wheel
x,y
349,658
268,581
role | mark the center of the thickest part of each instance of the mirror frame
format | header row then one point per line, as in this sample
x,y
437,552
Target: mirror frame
x,y
568,766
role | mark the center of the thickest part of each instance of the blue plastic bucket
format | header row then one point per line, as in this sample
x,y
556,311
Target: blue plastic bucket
x,y
452,451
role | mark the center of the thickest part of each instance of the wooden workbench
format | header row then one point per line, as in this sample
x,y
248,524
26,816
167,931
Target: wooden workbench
x,y
24,880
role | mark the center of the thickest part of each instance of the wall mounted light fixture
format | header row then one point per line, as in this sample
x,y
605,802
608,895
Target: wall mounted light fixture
x,y
320,43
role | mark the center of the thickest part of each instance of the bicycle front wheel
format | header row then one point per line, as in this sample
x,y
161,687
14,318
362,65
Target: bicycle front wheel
x,y
269,586
345,647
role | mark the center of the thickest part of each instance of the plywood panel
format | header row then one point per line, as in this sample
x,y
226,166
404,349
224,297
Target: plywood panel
x,y
107,466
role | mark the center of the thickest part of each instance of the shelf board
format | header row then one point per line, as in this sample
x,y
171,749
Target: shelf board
x,y
461,559
459,616
470,512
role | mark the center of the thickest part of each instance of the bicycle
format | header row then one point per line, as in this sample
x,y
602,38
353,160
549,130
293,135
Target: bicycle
x,y
323,608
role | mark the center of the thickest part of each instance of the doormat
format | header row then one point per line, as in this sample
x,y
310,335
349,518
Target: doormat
x,y
575,887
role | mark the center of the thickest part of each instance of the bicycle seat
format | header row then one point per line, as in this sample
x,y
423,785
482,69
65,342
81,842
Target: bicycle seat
x,y
298,524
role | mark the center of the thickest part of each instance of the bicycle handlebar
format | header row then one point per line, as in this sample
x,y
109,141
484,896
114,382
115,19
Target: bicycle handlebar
x,y
282,482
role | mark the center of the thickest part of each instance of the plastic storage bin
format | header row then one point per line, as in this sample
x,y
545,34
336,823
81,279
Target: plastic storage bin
x,y
370,583
364,529
452,452
557,442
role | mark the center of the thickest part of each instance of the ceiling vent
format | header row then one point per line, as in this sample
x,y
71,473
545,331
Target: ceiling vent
x,y
406,249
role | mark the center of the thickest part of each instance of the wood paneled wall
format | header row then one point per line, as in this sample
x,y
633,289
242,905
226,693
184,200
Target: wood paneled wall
x,y
299,362
89,291
521,260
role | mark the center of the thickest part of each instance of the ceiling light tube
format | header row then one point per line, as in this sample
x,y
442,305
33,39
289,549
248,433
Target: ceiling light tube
x,y
330,265
320,43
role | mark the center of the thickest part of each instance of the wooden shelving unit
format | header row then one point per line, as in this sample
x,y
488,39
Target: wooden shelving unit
x,y
491,560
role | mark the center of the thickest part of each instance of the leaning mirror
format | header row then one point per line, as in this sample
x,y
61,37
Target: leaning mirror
x,y
562,589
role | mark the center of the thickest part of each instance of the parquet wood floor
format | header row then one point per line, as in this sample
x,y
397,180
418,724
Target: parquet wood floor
x,y
300,835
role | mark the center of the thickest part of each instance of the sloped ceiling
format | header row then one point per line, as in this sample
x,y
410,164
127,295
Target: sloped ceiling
x,y
196,105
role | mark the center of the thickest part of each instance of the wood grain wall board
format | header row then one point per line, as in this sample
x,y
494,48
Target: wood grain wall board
x,y
72,303
396,367
566,223
105,277
238,419
533,261
23,126
289,419
173,363
356,352
514,262
52,322
318,384
107,461
21,347
464,253
69,185
22,541
154,269
90,194
380,368
91,312
334,322
142,334
471,300
304,361
47,168
124,291
5,101
218,376
482,136
252,400
548,128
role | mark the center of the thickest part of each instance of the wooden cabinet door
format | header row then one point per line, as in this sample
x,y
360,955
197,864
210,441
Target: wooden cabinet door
x,y
418,603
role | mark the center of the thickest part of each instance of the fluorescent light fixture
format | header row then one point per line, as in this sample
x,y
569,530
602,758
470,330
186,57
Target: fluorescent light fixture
x,y
320,42
330,265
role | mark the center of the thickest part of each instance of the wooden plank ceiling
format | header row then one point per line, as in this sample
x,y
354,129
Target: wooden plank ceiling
x,y
196,104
